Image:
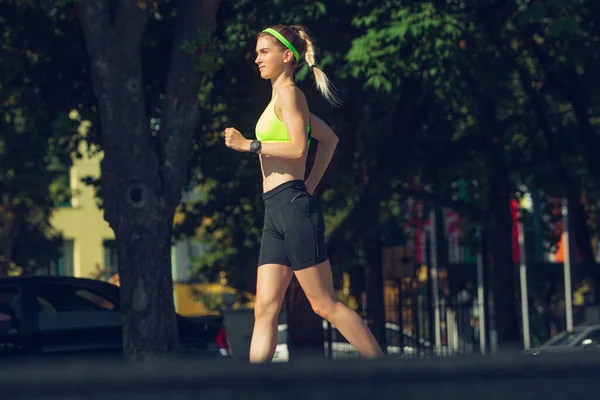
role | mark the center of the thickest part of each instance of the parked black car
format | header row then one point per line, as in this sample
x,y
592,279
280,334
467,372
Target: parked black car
x,y
67,316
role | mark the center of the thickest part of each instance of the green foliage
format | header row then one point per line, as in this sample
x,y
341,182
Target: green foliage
x,y
208,49
39,87
470,57
462,56
556,15
482,63
400,41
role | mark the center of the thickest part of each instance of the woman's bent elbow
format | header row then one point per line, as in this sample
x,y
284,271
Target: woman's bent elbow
x,y
297,155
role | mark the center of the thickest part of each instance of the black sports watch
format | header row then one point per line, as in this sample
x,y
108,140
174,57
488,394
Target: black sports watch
x,y
254,146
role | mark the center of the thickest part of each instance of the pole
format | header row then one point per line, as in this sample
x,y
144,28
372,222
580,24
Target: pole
x,y
567,265
481,294
435,281
523,276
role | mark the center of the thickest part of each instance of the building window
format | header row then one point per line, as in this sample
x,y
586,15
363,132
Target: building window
x,y
111,262
61,188
64,265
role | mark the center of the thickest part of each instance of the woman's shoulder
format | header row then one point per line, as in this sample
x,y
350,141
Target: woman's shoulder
x,y
291,94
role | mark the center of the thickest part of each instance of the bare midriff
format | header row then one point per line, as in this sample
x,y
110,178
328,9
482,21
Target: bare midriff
x,y
277,170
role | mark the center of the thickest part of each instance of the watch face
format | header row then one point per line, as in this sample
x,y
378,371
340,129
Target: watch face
x,y
254,145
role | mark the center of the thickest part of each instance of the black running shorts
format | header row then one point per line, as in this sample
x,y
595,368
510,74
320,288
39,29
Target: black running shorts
x,y
294,230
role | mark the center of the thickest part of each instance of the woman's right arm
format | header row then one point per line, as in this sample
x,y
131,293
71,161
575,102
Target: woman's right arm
x,y
328,141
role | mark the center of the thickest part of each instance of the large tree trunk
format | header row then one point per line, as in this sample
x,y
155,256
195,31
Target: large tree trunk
x,y
504,284
499,232
142,185
499,225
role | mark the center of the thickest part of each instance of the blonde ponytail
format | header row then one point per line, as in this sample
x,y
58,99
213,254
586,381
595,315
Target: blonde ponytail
x,y
323,83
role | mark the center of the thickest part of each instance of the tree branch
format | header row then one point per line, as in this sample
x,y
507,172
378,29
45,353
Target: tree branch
x,y
182,112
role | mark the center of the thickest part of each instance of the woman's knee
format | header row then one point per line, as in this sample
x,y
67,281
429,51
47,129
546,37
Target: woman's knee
x,y
266,309
324,308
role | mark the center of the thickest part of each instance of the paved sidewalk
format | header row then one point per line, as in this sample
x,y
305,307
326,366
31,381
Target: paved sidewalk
x,y
563,377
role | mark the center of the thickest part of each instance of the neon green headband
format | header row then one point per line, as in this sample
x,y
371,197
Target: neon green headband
x,y
284,41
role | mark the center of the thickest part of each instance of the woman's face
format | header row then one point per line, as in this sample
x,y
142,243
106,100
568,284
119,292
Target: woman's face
x,y
270,58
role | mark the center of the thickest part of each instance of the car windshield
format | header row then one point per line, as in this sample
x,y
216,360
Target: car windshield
x,y
565,338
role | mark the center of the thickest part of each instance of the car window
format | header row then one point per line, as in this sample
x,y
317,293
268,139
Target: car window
x,y
10,309
95,299
64,297
64,306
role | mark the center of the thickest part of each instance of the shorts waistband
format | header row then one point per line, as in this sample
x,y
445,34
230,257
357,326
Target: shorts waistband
x,y
294,184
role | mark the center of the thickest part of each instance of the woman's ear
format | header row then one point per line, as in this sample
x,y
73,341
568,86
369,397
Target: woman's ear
x,y
288,56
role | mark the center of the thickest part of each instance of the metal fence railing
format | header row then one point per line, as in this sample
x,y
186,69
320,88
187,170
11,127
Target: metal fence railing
x,y
413,332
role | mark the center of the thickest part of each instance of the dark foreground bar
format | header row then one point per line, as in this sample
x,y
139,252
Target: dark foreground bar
x,y
496,377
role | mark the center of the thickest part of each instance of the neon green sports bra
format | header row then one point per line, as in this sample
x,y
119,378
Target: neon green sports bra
x,y
270,128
